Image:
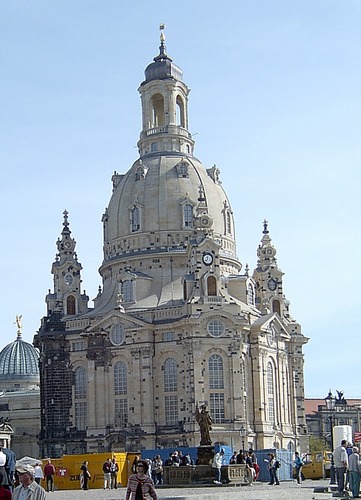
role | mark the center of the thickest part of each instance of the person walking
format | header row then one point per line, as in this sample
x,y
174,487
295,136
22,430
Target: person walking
x,y
38,473
159,469
28,488
273,466
140,484
106,471
217,464
340,458
354,472
298,467
49,472
84,476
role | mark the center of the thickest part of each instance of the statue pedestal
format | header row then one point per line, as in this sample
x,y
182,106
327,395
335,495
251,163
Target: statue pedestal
x,y
205,455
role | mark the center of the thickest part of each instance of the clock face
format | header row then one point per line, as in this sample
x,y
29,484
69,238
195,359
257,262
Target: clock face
x,y
68,279
207,258
272,284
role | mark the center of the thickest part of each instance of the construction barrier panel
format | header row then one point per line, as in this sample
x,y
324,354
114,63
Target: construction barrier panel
x,y
67,475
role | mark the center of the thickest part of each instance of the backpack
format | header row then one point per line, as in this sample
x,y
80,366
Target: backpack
x,y
277,464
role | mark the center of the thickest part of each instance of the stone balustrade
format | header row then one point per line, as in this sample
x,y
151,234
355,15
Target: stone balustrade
x,y
204,474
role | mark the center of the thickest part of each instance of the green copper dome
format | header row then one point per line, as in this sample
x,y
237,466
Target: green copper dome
x,y
19,360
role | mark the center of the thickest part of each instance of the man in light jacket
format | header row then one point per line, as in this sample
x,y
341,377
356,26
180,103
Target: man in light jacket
x,y
341,463
28,488
217,464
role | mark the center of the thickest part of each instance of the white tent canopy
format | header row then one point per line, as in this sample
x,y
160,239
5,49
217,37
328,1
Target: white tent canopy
x,y
29,461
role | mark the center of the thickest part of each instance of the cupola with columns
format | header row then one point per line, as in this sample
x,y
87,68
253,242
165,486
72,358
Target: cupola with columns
x,y
164,98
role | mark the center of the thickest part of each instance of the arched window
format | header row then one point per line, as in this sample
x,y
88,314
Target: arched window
x,y
135,219
250,294
120,389
215,367
276,307
187,215
80,394
228,222
157,117
170,385
70,305
180,112
154,147
80,383
270,393
211,286
120,378
127,290
185,293
216,382
170,375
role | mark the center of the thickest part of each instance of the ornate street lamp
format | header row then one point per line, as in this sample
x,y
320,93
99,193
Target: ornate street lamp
x,y
330,405
243,434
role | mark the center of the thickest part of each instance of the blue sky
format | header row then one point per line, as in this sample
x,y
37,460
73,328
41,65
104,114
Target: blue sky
x,y
275,104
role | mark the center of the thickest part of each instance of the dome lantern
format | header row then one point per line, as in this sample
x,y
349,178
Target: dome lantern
x,y
164,98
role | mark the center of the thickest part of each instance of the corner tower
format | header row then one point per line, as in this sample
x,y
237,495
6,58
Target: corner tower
x,y
66,297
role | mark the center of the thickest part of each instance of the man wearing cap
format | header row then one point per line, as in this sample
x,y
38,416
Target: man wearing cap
x,y
28,488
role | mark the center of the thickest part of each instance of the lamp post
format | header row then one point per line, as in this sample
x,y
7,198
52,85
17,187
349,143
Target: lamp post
x,y
330,405
243,434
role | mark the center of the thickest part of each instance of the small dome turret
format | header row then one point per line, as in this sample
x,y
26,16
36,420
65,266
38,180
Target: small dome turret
x,y
163,66
19,360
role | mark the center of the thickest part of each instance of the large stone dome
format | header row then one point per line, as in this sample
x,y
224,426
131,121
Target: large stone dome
x,y
161,187
19,361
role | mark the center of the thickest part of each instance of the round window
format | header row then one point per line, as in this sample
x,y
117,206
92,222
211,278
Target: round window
x,y
215,328
117,334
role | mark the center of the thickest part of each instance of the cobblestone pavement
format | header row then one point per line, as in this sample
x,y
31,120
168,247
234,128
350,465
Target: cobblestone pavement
x,y
260,491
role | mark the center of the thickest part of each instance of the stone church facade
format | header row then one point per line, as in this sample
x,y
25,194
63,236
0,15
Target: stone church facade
x,y
177,322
